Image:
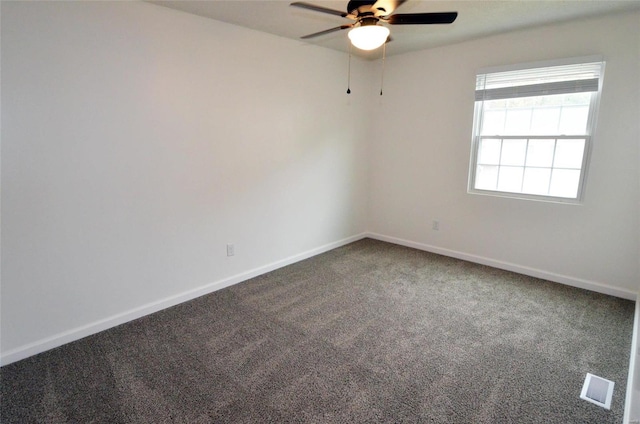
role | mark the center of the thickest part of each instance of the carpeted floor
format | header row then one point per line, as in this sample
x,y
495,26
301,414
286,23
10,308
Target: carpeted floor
x,y
370,332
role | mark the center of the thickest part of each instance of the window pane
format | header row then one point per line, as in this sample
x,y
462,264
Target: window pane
x,y
536,181
489,151
518,121
569,154
545,121
510,179
521,102
513,152
486,177
576,99
493,122
564,183
540,153
573,120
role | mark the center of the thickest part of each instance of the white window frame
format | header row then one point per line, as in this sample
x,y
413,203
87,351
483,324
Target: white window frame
x,y
588,137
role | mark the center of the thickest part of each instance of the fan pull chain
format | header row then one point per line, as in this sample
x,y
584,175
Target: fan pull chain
x,y
384,53
349,72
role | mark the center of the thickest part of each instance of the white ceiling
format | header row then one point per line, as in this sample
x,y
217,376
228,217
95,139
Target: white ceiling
x,y
476,18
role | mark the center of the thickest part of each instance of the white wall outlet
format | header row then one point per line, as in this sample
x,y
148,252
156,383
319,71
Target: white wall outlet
x,y
231,250
435,226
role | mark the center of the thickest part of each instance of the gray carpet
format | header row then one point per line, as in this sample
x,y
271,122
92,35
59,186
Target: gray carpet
x,y
370,332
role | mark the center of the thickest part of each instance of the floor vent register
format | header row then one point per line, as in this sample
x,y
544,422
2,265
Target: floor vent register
x,y
597,390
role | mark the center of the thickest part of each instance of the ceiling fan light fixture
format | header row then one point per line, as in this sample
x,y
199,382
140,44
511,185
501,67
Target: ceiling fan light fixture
x,y
368,37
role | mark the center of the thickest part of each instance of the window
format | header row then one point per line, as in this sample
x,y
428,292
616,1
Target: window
x,y
532,130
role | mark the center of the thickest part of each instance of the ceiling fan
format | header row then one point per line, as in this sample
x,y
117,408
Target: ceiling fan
x,y
366,32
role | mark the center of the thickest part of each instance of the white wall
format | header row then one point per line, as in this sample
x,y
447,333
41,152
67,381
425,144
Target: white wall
x,y
632,401
137,141
420,160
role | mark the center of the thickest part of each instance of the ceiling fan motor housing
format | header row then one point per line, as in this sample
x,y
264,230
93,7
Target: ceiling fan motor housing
x,y
368,21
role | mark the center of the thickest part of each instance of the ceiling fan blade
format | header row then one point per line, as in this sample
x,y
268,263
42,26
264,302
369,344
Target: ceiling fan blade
x,y
422,18
315,8
326,31
385,7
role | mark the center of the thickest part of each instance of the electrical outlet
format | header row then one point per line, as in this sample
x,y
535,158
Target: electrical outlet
x,y
435,226
231,250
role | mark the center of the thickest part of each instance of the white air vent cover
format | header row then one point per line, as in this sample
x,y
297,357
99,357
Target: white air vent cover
x,y
597,390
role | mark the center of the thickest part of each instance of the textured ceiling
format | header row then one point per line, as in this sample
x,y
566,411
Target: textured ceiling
x,y
475,19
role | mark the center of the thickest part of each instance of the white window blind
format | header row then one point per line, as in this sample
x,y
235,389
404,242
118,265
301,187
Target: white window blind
x,y
578,78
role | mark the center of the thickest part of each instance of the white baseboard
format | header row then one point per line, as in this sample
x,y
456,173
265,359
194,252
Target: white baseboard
x,y
632,401
104,324
532,272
